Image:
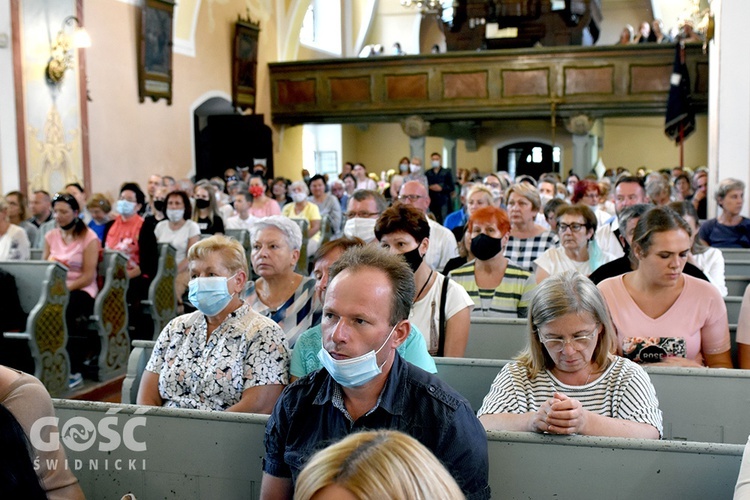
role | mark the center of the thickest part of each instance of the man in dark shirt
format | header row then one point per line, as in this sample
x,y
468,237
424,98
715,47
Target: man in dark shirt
x,y
441,186
41,208
366,385
627,220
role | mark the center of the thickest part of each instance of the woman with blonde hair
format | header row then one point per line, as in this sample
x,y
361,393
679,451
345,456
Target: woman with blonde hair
x,y
528,240
376,464
206,212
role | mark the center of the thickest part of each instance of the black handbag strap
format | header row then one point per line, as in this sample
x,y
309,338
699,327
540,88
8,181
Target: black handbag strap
x,y
441,317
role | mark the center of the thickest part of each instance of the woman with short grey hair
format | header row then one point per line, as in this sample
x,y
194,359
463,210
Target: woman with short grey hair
x,y
730,229
567,381
280,293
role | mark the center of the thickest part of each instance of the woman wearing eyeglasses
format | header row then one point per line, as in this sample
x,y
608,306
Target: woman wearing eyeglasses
x,y
566,381
578,250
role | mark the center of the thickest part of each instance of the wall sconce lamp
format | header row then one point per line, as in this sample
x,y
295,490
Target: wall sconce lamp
x,y
61,57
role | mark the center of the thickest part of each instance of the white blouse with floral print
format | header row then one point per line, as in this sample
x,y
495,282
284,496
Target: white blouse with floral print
x,y
247,350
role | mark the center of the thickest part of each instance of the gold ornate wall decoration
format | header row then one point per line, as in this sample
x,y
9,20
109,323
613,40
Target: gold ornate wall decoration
x,y
53,160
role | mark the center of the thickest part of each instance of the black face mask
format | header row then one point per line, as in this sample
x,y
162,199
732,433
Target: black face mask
x,y
160,205
413,259
201,203
485,247
68,227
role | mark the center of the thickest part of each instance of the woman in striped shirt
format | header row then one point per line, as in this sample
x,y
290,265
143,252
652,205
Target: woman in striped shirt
x,y
567,381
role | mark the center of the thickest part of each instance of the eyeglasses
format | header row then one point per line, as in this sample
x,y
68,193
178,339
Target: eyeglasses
x,y
575,227
362,215
579,342
410,197
492,184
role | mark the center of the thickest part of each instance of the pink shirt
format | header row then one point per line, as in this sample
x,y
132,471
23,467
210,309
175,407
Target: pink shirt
x,y
71,255
698,315
270,208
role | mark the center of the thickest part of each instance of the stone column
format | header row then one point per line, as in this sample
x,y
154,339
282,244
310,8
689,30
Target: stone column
x,y
584,143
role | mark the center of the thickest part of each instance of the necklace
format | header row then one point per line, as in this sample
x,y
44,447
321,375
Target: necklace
x,y
425,285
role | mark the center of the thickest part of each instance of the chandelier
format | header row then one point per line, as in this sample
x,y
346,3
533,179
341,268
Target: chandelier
x,y
424,6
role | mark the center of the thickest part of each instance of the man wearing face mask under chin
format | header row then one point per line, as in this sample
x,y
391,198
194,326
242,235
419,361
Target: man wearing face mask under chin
x,y
499,288
366,385
235,359
364,208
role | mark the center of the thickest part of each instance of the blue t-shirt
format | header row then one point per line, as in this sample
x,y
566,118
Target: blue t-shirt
x,y
305,352
455,219
718,235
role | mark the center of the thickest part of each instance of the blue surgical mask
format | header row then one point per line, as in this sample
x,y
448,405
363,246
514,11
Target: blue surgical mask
x,y
125,207
210,295
354,372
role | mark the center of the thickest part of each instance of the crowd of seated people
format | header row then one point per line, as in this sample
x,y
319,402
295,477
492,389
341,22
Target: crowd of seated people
x,y
527,247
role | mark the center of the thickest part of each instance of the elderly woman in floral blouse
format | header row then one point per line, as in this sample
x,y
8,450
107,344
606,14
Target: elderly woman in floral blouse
x,y
225,356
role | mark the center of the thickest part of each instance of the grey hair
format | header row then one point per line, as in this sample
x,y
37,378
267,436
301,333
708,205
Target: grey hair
x,y
366,194
335,182
395,268
569,292
656,186
298,184
630,213
728,185
290,229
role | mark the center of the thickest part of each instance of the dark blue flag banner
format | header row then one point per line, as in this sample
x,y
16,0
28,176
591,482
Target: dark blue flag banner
x,y
680,119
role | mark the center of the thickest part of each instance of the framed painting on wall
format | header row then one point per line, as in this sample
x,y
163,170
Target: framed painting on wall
x,y
245,65
155,51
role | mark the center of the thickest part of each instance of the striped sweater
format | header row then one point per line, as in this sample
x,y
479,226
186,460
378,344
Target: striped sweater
x,y
509,300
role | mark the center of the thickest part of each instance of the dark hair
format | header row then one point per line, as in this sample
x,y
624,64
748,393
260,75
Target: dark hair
x,y
553,205
630,179
17,476
21,203
657,220
75,185
245,194
80,227
686,209
318,177
354,179
343,243
395,268
185,201
281,179
139,196
42,191
578,209
406,218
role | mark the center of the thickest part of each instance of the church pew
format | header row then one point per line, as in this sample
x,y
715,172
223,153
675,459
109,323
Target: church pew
x,y
303,261
44,298
110,318
698,404
723,415
734,267
733,308
485,335
169,453
736,285
736,254
161,302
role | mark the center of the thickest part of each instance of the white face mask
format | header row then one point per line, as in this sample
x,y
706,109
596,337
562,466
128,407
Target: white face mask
x,y
175,214
414,168
360,227
497,193
299,197
435,163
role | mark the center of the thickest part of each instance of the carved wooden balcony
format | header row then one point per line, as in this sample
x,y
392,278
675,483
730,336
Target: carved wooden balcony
x,y
522,83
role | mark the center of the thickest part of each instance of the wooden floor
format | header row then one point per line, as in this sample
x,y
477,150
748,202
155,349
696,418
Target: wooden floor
x,y
108,391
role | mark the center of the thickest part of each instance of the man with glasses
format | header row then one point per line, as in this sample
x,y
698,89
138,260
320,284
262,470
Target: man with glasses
x,y
443,246
365,206
629,191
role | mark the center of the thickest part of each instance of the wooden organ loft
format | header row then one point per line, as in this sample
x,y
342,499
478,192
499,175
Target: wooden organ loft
x,y
511,24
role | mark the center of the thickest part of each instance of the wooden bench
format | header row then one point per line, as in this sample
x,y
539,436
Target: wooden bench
x,y
493,338
736,254
44,298
303,261
161,301
733,267
736,285
169,453
721,416
243,236
110,318
733,304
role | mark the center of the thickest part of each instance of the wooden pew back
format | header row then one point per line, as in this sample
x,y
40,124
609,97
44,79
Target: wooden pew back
x,y
168,453
491,338
161,293
44,298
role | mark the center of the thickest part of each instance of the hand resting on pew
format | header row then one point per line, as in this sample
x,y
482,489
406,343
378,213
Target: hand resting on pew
x,y
566,381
